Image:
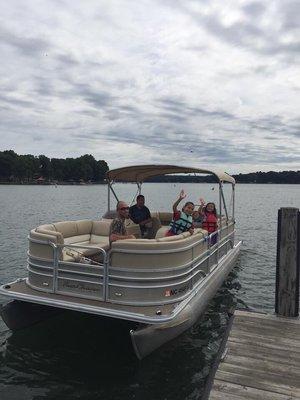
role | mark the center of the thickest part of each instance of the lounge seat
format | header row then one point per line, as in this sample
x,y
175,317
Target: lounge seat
x,y
171,251
92,234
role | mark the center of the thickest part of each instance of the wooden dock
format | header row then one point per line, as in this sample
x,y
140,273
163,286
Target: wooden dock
x,y
261,360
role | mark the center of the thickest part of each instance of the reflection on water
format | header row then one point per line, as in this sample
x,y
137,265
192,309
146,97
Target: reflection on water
x,y
74,355
92,350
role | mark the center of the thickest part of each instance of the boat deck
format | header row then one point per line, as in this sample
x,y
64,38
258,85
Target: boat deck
x,y
21,291
262,359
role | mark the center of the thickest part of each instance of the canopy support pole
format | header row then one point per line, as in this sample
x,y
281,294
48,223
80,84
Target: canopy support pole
x,y
113,192
108,197
224,203
233,200
220,203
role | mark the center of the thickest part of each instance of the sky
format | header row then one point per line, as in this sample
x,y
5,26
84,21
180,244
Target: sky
x,y
212,84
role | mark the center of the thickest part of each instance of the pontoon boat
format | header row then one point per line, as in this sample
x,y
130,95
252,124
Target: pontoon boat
x,y
161,285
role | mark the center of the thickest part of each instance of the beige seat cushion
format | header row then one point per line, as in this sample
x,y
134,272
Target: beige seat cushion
x,y
102,227
165,217
186,234
46,227
84,227
200,230
171,238
43,234
132,228
162,232
93,250
82,251
71,233
77,239
110,214
96,239
66,228
155,214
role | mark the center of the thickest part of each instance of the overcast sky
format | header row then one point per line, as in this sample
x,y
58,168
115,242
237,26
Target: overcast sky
x,y
200,83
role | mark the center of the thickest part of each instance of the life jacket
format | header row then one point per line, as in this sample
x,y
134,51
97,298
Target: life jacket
x,y
210,222
182,224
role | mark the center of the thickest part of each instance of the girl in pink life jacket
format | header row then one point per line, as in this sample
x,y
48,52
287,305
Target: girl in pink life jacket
x,y
210,219
182,220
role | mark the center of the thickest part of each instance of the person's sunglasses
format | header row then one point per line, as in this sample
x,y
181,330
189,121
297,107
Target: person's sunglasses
x,y
124,208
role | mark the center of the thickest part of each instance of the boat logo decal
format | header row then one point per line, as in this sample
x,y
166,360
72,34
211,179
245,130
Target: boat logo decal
x,y
79,286
173,292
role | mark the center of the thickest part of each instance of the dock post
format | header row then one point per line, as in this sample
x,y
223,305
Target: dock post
x,y
288,264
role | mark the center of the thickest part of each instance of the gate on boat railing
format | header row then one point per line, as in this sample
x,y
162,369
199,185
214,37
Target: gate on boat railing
x,y
102,282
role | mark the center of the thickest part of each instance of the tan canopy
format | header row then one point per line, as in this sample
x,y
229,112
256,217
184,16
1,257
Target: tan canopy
x,y
138,173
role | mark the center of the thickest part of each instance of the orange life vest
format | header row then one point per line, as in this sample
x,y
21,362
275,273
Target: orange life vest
x,y
210,222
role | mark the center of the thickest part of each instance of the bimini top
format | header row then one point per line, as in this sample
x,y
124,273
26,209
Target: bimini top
x,y
138,173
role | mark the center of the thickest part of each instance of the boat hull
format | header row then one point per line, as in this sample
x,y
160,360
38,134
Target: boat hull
x,y
19,314
148,338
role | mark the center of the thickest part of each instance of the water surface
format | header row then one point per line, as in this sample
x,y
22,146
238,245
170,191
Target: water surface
x,y
80,356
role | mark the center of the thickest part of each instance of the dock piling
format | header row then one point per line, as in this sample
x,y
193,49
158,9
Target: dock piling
x,y
287,264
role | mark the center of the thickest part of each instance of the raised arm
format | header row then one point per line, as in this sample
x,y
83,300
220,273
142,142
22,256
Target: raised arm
x,y
201,207
182,195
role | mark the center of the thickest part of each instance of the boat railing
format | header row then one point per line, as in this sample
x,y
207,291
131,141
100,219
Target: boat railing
x,y
103,281
129,286
102,265
56,267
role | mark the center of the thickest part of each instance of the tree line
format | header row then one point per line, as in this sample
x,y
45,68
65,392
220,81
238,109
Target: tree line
x,y
269,177
253,177
27,168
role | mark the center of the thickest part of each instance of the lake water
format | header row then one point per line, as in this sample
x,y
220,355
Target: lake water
x,y
79,356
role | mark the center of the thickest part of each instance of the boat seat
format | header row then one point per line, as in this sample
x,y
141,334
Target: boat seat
x,y
94,234
148,253
165,217
74,254
162,232
111,214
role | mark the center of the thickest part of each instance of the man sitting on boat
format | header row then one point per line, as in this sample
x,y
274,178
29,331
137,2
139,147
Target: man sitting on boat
x,y
140,214
117,229
182,220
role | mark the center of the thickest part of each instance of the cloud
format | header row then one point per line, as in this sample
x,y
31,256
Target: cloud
x,y
181,82
26,45
6,98
254,9
92,96
67,60
259,27
290,11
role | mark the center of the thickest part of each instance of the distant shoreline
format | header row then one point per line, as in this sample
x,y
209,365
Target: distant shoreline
x,y
52,184
27,169
104,183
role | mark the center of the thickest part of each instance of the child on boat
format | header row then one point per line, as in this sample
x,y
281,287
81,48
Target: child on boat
x,y
197,219
210,219
182,220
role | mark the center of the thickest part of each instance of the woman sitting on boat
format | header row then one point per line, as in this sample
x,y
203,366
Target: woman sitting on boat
x,y
182,220
210,219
